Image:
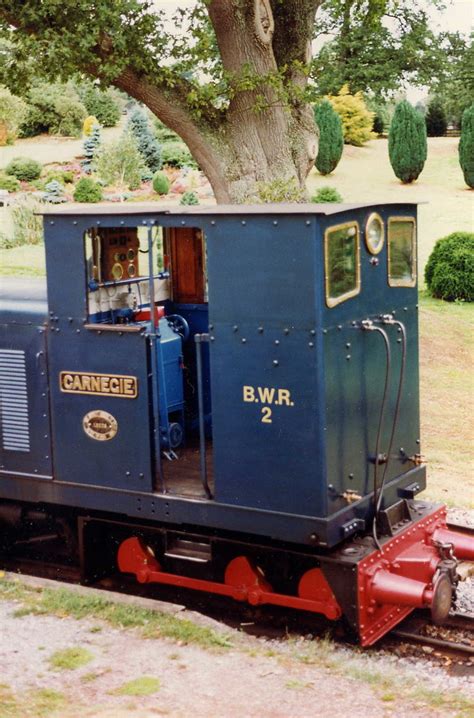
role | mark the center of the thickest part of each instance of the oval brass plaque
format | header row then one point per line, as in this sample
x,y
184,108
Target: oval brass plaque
x,y
100,425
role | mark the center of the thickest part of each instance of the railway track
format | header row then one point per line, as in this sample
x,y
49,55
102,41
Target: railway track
x,y
454,639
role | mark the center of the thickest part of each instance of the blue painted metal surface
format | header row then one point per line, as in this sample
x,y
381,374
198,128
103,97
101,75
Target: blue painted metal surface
x,y
296,386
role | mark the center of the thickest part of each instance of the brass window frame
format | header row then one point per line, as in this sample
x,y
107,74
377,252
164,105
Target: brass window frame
x,y
370,218
334,301
414,267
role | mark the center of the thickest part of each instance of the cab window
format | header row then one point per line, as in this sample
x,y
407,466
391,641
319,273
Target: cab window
x,y
342,263
401,252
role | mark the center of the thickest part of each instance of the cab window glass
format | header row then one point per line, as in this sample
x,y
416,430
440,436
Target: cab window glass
x,y
401,252
342,262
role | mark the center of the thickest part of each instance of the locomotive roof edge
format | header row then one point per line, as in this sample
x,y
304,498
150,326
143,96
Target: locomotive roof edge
x,y
324,209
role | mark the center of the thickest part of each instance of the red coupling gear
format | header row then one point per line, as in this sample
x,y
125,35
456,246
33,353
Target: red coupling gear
x,y
415,569
463,544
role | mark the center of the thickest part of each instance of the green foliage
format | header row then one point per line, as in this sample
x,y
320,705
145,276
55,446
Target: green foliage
x,y
176,154
87,191
63,176
370,51
189,198
54,108
11,184
120,163
160,183
407,145
27,224
378,124
449,272
357,120
12,113
24,169
331,140
148,146
100,103
466,146
279,190
453,81
326,194
436,122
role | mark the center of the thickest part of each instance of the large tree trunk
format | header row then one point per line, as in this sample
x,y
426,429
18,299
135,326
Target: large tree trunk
x,y
266,140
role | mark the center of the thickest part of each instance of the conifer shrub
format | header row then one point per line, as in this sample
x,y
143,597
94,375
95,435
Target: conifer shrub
x,y
89,124
378,125
54,192
87,191
9,183
357,119
449,272
160,183
91,148
466,146
326,194
24,169
331,139
436,121
147,143
189,198
407,145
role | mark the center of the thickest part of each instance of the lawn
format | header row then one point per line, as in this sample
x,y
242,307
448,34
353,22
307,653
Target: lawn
x,y
364,174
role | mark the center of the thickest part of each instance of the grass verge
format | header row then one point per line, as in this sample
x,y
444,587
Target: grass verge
x,y
151,624
70,658
143,686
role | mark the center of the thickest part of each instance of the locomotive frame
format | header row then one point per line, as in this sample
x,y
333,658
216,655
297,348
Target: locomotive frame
x,y
283,365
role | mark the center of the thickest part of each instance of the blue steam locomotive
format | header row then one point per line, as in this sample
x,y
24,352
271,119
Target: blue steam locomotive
x,y
226,399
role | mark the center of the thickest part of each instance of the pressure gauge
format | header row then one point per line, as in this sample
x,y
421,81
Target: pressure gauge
x,y
131,270
374,233
131,255
117,271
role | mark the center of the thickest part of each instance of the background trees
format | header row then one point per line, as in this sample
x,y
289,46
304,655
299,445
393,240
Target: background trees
x,y
376,46
231,83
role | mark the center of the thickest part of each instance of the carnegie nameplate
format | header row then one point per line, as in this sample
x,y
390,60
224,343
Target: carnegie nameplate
x,y
118,385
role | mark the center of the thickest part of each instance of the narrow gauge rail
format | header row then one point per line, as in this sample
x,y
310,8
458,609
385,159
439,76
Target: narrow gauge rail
x,y
252,620
412,632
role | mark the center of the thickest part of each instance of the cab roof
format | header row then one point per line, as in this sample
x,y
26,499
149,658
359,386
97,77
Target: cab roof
x,y
327,208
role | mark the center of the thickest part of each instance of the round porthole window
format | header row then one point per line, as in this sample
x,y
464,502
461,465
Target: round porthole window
x,y
374,233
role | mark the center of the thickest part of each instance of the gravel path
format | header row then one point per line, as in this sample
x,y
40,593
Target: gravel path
x,y
47,149
256,678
